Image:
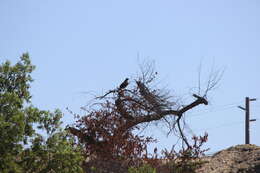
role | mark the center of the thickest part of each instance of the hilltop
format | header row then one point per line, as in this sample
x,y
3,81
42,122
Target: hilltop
x,y
236,159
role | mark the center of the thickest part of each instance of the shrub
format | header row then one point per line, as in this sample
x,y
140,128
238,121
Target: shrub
x,y
146,168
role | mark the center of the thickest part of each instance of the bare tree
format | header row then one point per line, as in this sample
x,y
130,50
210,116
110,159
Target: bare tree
x,y
129,106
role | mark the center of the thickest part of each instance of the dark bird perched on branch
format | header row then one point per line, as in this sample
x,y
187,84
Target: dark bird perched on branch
x,y
124,84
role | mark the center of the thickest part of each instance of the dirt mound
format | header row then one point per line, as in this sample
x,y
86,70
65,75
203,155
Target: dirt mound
x,y
237,159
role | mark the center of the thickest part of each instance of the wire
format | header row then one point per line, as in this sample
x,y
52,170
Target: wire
x,y
253,106
222,125
206,112
216,108
226,105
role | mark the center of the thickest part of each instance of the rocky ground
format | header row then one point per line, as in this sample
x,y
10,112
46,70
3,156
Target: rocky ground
x,y
237,159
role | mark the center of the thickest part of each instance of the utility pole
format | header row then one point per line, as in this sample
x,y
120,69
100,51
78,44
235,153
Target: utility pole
x,y
247,118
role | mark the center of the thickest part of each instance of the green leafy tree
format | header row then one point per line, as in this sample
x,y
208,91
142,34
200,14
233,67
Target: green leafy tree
x,y
16,122
54,153
22,149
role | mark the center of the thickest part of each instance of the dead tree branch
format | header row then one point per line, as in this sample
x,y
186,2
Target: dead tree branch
x,y
125,108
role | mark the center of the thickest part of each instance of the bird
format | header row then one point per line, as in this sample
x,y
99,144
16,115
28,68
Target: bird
x,y
124,84
155,150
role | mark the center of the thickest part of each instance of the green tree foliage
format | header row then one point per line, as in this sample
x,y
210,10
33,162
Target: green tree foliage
x,y
56,153
22,148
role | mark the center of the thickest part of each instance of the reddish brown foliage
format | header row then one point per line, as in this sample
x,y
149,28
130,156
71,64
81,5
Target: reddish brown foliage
x,y
100,132
107,130
186,160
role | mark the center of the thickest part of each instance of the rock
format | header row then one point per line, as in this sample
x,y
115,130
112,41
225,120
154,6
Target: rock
x,y
237,159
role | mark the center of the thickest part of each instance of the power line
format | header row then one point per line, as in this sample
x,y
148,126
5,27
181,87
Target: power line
x,y
222,125
258,106
215,109
206,112
225,105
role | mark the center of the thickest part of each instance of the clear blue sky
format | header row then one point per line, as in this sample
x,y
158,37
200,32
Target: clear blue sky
x,y
82,46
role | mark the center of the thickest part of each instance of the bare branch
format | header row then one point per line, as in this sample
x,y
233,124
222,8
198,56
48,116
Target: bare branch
x,y
132,104
213,80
